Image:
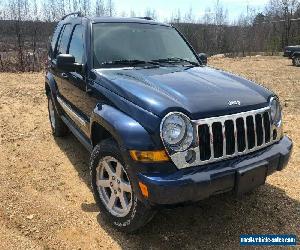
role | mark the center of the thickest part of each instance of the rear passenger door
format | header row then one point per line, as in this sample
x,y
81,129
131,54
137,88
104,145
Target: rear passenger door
x,y
70,82
74,83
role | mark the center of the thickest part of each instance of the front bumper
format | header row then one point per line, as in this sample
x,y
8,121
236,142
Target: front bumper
x,y
196,183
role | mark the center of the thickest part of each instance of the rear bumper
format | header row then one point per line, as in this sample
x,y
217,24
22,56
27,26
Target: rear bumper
x,y
197,183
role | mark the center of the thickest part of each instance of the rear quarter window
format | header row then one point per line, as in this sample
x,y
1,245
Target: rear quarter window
x,y
53,40
64,40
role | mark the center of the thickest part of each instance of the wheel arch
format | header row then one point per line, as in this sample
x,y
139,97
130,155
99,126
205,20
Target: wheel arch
x,y
108,121
50,85
99,133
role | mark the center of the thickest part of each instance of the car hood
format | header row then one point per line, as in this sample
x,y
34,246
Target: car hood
x,y
198,91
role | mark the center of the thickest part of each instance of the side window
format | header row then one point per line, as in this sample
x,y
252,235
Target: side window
x,y
54,38
76,44
64,40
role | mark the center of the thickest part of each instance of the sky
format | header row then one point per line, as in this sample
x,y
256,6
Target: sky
x,y
164,8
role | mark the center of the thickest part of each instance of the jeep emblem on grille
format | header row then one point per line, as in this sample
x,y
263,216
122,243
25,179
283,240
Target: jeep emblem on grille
x,y
236,102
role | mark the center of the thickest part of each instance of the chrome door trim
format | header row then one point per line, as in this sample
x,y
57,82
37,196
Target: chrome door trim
x,y
71,112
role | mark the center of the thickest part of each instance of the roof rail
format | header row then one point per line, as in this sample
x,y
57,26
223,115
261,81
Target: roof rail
x,y
144,17
78,13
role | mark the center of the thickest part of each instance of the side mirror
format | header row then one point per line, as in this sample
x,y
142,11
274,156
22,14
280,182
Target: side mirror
x,y
203,58
66,62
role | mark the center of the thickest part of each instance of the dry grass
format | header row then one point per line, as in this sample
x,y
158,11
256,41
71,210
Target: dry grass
x,y
46,201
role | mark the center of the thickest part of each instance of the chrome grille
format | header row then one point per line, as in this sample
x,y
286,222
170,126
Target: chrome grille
x,y
224,137
231,135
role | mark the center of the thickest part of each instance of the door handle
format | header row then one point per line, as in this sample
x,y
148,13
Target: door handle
x,y
64,75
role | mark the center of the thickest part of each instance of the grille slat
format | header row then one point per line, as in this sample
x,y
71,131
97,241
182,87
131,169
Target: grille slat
x,y
259,130
246,134
204,142
255,131
217,140
224,138
241,135
266,119
235,137
211,142
250,132
263,129
229,136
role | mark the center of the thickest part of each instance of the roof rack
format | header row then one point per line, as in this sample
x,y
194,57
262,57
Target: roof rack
x,y
144,17
78,13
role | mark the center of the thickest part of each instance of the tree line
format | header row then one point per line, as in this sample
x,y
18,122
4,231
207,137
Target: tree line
x,y
25,27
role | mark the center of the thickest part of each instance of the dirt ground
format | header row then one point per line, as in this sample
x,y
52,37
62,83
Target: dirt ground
x,y
46,201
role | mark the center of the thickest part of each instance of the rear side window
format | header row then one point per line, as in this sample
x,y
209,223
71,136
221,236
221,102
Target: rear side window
x,y
54,40
55,36
64,40
76,44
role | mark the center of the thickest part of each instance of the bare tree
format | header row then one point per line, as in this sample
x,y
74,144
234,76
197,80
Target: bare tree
x,y
151,13
86,7
132,13
283,10
110,7
19,13
189,16
220,19
100,9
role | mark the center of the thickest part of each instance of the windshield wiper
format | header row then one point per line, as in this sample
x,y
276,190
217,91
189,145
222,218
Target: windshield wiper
x,y
175,60
130,62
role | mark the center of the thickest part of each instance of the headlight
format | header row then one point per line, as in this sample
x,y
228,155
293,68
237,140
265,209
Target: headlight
x,y
275,111
177,131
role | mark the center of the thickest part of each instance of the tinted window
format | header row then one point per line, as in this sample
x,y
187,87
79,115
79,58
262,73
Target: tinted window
x,y
54,39
76,44
132,41
64,40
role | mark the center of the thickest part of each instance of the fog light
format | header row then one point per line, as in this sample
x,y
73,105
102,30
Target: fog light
x,y
190,156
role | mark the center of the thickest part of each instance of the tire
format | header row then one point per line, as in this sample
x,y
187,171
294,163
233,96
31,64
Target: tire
x,y
106,157
296,61
59,128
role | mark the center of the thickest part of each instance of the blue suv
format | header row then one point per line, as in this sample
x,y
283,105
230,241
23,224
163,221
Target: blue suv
x,y
162,128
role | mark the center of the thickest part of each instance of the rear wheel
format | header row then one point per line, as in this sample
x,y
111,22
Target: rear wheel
x,y
296,61
113,190
58,127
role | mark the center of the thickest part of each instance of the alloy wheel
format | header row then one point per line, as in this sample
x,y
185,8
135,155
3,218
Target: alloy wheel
x,y
113,186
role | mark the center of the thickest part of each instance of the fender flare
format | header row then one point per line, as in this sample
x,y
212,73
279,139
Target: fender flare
x,y
51,83
129,133
296,54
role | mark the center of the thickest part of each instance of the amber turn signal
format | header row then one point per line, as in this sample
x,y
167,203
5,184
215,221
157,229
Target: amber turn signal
x,y
149,156
144,189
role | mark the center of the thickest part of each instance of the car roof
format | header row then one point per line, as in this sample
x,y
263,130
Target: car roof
x,y
125,20
142,20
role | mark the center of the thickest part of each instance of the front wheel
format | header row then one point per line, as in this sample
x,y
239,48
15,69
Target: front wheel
x,y
113,190
296,61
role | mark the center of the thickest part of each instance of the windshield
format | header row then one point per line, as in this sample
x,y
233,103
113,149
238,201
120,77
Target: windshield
x,y
119,42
